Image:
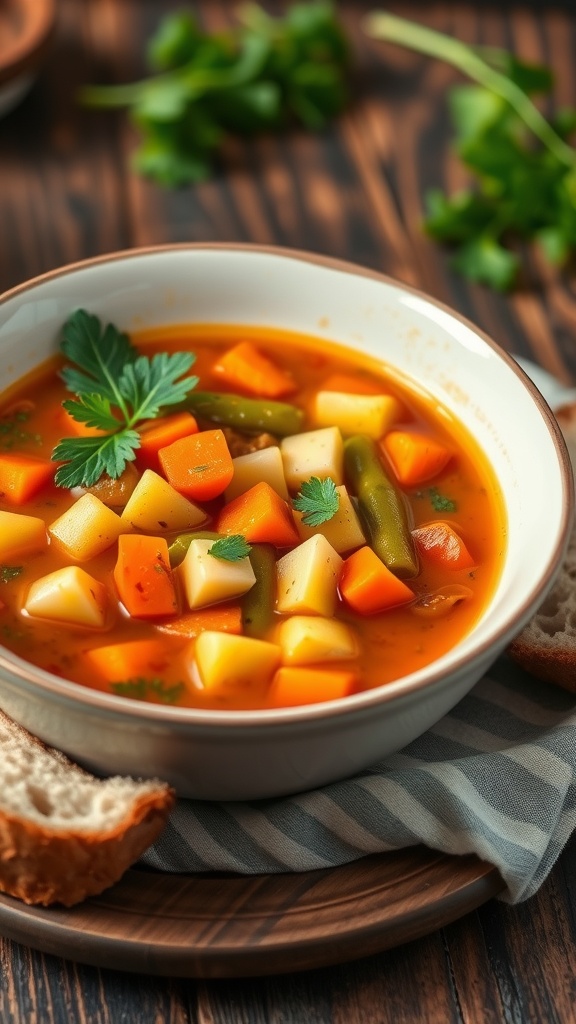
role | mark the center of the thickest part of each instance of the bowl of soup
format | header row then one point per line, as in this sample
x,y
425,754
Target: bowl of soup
x,y
265,516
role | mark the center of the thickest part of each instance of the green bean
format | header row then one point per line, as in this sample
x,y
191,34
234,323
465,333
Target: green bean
x,y
381,507
258,602
248,414
179,546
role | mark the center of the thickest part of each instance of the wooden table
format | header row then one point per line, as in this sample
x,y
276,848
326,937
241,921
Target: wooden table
x,y
66,192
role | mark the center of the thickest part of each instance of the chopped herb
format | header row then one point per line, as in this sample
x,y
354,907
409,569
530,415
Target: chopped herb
x,y
230,549
140,688
116,388
318,500
11,434
258,77
10,572
524,184
439,502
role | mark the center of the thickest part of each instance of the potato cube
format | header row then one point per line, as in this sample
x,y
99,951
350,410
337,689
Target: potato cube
x,y
372,415
21,535
87,528
68,595
209,580
155,505
306,639
265,465
228,663
344,530
314,453
308,578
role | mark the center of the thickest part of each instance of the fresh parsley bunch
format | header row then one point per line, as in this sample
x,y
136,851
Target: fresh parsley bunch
x,y
116,389
524,170
256,78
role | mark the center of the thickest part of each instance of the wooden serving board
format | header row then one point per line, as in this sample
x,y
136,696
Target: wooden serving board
x,y
229,926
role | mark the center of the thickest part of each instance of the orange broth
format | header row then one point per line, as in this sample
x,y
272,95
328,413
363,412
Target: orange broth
x,y
392,643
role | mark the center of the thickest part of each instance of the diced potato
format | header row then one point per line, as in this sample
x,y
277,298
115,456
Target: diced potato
x,y
372,415
308,578
87,528
344,530
68,595
306,639
21,535
209,580
314,453
255,467
155,505
228,663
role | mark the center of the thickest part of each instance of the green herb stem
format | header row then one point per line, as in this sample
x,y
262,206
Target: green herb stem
x,y
393,29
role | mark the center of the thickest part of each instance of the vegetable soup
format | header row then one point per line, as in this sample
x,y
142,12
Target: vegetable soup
x,y
234,517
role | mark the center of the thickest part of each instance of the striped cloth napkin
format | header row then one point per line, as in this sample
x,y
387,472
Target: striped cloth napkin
x,y
494,777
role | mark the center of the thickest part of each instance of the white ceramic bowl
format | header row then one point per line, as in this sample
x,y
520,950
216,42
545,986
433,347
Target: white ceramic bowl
x,y
251,754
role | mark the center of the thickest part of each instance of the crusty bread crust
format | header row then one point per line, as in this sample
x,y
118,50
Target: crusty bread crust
x,y
46,863
546,647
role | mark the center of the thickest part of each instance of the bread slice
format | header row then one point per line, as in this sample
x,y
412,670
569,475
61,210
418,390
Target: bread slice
x,y
546,647
64,834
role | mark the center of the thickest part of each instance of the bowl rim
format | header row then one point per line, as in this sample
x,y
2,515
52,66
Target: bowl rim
x,y
114,706
22,52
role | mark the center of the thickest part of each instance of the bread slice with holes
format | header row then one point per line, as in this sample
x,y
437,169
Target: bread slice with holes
x,y
546,647
64,834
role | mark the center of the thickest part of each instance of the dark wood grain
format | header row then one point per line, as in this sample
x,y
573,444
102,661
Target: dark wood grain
x,y
355,191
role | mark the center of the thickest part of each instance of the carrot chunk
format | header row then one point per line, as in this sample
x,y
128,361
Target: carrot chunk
x,y
199,466
220,618
415,457
73,428
116,662
161,433
440,544
261,516
143,576
22,476
291,687
247,368
368,586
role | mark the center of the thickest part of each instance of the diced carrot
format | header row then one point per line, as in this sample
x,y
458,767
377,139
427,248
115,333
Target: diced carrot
x,y
199,466
22,476
415,457
440,544
136,658
161,433
368,586
244,367
349,384
261,516
291,687
73,428
143,576
220,618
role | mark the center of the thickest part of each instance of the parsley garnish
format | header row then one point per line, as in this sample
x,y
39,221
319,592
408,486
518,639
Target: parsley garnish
x,y
116,389
230,549
140,688
10,572
440,503
256,78
525,171
318,500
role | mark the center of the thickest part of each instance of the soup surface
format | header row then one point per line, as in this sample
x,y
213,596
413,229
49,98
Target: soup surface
x,y
249,555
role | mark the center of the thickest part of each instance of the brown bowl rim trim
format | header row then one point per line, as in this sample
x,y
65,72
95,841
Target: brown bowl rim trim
x,y
23,51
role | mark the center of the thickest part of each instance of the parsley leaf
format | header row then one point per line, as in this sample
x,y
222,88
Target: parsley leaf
x,y
260,76
523,171
10,572
141,688
440,503
116,389
318,500
230,549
